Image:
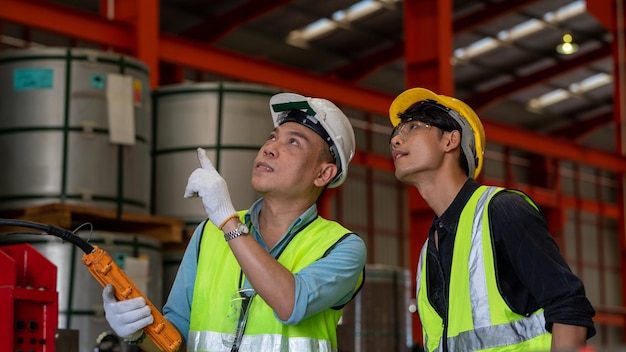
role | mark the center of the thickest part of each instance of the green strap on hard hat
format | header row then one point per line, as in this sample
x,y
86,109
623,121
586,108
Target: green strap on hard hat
x,y
294,105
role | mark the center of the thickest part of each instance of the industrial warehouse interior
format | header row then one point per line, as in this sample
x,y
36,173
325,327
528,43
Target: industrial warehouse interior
x,y
104,103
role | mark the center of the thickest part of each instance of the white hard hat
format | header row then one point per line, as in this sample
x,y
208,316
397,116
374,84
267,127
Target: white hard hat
x,y
312,112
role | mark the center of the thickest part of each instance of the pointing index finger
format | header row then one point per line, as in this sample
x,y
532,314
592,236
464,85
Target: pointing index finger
x,y
205,162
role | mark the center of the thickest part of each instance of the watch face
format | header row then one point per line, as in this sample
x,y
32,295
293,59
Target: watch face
x,y
243,228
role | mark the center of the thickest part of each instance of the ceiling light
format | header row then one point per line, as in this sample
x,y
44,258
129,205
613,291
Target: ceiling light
x,y
550,98
574,89
520,31
341,18
567,46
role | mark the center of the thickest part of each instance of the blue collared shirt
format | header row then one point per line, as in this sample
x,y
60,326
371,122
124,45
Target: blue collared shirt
x,y
317,287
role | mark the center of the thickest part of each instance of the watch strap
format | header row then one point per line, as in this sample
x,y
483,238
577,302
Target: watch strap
x,y
241,229
136,341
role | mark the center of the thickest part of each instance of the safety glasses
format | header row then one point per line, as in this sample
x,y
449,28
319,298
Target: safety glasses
x,y
409,127
239,309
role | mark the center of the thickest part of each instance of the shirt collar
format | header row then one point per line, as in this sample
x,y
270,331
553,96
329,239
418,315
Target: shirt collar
x,y
252,217
450,218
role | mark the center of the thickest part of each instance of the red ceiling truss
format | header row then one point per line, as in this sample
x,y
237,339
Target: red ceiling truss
x,y
216,27
178,51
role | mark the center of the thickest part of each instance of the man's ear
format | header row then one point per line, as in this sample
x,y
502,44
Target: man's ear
x,y
453,140
326,174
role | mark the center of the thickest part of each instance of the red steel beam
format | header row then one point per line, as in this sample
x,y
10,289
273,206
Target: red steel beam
x,y
196,55
216,27
609,319
426,64
192,54
147,37
489,13
67,21
427,57
553,147
604,11
355,71
373,161
546,197
612,13
481,100
583,128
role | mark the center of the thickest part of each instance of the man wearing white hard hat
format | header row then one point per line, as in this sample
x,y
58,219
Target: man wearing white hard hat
x,y
490,276
274,277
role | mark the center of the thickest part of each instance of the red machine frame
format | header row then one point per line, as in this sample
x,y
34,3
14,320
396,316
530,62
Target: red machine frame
x,y
28,300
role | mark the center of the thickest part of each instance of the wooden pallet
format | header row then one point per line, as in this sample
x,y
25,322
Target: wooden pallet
x,y
67,216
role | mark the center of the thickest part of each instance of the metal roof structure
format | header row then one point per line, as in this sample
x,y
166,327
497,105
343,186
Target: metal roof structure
x,y
504,60
368,51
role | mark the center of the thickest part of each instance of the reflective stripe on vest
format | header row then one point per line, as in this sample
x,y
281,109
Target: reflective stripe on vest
x,y
212,341
500,335
473,329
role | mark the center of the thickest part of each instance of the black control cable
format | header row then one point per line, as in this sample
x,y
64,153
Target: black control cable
x,y
62,233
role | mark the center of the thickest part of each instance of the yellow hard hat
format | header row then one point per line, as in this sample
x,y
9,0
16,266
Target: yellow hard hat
x,y
472,135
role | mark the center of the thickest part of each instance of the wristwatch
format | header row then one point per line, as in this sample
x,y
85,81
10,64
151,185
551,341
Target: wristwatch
x,y
241,229
137,341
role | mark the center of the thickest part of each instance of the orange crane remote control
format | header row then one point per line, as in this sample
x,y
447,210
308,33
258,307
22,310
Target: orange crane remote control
x,y
104,269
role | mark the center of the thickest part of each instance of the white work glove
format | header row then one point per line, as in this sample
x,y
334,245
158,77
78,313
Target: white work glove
x,y
207,183
128,317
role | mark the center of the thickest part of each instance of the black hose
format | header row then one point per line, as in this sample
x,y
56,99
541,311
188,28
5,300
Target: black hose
x,y
64,234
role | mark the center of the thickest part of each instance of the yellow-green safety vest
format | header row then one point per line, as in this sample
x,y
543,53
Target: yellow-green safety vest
x,y
478,317
219,277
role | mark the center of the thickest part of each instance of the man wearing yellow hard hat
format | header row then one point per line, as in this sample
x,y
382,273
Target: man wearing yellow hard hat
x,y
490,276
